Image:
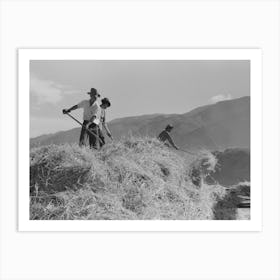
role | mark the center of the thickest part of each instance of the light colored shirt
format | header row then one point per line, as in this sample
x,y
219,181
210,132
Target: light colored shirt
x,y
90,111
102,118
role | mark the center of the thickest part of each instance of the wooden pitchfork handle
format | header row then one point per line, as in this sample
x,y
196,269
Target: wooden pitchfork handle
x,y
88,130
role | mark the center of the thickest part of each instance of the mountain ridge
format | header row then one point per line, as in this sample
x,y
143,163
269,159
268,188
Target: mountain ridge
x,y
224,124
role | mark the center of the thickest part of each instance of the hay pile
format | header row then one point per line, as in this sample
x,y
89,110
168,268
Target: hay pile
x,y
129,179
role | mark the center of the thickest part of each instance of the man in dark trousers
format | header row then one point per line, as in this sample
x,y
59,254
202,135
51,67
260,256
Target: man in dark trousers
x,y
165,137
91,110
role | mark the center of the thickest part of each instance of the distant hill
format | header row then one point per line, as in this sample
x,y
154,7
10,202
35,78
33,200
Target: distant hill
x,y
233,167
218,126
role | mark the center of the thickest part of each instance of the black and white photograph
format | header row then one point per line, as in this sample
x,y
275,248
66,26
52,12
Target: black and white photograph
x,y
140,140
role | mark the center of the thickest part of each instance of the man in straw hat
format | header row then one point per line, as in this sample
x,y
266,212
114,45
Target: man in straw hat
x,y
165,137
91,110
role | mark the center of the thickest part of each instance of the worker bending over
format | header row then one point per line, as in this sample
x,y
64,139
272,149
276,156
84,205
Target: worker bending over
x,y
165,137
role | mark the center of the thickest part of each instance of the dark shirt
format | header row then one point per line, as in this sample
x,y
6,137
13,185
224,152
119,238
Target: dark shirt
x,y
164,136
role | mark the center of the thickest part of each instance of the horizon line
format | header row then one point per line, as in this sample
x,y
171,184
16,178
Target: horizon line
x,y
135,116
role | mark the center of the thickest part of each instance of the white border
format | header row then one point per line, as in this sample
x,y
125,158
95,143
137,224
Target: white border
x,y
254,55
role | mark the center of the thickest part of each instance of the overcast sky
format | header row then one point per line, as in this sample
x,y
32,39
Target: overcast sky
x,y
133,87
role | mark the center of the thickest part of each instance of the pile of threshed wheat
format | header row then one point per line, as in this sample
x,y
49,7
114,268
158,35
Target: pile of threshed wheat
x,y
135,178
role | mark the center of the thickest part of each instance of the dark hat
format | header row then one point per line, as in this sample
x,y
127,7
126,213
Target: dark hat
x,y
106,101
94,91
169,126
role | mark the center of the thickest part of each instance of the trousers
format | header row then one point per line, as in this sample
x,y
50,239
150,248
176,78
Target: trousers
x,y
84,134
96,140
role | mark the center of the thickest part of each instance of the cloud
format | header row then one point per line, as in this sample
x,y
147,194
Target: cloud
x,y
47,91
220,97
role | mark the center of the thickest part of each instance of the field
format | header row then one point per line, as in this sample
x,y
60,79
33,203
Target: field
x,y
130,179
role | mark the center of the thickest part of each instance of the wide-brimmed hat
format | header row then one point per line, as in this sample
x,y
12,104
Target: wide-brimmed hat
x,y
94,92
106,101
169,126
